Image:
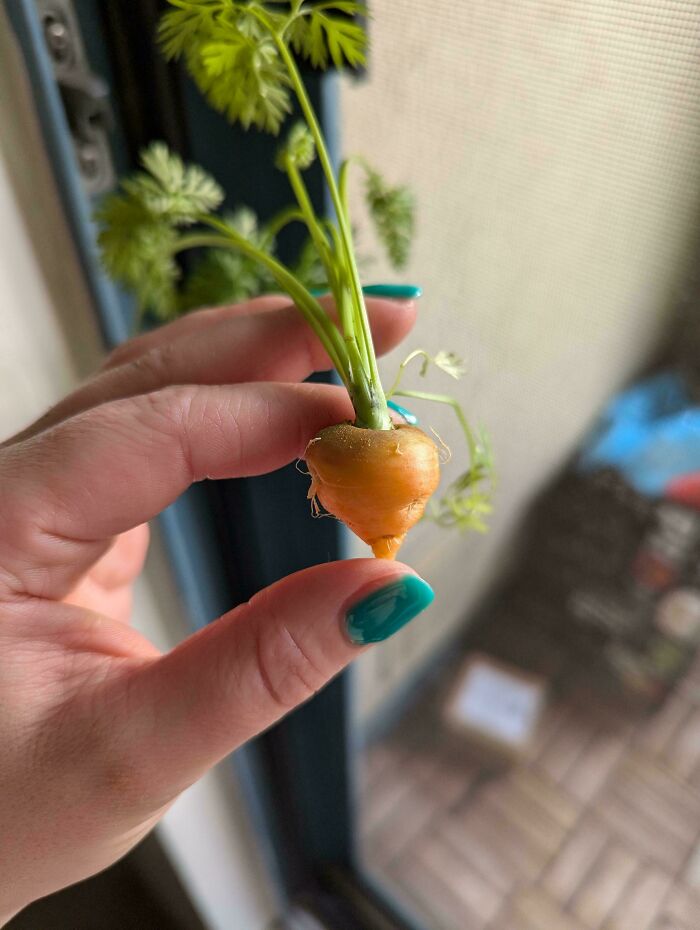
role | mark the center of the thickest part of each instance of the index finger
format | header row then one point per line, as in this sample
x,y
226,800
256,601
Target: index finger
x,y
256,341
66,491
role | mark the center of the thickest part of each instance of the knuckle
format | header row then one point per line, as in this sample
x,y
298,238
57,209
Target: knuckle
x,y
152,369
165,409
286,671
118,356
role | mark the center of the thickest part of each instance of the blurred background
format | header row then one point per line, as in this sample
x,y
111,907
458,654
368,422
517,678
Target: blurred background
x,y
533,744
526,755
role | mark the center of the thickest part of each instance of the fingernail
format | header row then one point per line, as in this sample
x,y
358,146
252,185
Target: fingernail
x,y
397,291
318,291
403,412
379,615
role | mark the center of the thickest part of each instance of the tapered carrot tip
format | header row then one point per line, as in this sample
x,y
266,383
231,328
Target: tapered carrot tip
x,y
386,547
377,482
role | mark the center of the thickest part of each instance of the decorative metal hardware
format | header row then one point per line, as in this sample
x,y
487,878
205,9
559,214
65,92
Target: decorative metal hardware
x,y
85,94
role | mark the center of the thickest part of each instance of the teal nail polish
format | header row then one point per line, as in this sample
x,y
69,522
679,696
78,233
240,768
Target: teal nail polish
x,y
403,412
379,615
318,291
397,291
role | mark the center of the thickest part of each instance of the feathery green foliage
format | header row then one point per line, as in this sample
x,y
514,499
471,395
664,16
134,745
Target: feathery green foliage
x,y
299,149
139,226
241,54
392,210
321,37
233,50
463,505
171,189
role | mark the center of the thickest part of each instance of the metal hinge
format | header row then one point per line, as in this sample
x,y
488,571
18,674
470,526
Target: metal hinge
x,y
85,94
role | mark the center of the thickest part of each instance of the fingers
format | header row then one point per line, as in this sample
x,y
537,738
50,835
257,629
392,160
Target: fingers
x,y
240,674
67,491
189,324
262,340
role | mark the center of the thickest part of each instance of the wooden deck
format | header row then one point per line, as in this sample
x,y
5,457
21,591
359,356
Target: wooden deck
x,y
597,829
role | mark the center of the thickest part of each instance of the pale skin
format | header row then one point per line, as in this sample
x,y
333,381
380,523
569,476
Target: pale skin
x,y
99,731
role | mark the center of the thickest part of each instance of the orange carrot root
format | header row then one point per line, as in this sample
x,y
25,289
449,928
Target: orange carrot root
x,y
377,482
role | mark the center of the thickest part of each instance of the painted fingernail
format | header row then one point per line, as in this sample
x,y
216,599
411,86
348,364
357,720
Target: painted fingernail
x,y
403,412
395,291
318,291
383,612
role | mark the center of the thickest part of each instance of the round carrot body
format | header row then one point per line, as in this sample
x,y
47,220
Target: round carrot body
x,y
376,481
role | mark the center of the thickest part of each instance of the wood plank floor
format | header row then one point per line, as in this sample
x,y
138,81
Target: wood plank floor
x,y
597,829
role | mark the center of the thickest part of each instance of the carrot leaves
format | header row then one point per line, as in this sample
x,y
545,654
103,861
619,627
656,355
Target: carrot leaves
x,y
298,151
170,189
321,37
143,228
392,209
234,50
139,226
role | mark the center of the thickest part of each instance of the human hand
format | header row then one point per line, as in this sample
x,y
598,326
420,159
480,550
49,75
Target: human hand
x,y
100,732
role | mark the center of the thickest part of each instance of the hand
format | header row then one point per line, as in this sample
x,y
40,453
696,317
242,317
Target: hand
x,y
99,731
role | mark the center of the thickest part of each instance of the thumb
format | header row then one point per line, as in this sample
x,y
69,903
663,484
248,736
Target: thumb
x,y
240,674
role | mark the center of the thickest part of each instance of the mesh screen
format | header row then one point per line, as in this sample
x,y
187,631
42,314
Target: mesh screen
x,y
554,150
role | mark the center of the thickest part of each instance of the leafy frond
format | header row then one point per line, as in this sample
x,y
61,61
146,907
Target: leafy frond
x,y
169,188
185,24
230,50
245,221
221,277
392,210
319,36
137,250
298,150
448,362
139,225
465,504
242,76
232,58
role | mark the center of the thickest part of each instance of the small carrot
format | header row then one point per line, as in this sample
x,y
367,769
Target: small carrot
x,y
376,481
243,54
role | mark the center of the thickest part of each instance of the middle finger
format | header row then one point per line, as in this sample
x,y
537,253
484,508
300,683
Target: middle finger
x,y
277,345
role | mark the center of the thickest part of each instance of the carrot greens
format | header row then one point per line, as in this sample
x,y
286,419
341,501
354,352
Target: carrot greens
x,y
243,57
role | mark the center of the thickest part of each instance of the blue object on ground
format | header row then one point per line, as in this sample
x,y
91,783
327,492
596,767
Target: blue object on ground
x,y
650,433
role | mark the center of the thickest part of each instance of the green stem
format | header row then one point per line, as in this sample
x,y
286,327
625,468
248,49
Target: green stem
x,y
332,229
402,368
451,402
280,220
312,311
377,416
343,185
316,231
343,354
